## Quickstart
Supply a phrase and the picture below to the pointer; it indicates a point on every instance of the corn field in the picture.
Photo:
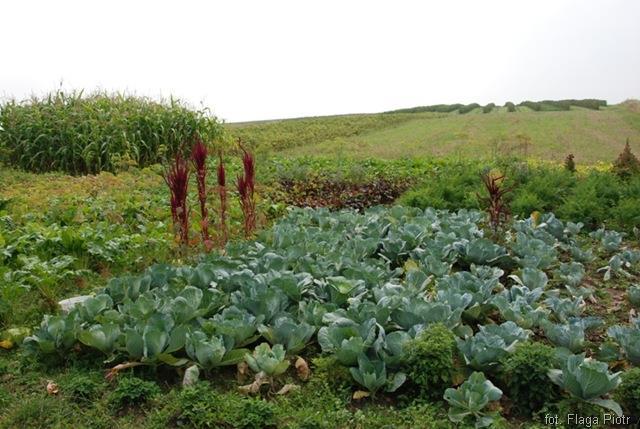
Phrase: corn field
(81, 134)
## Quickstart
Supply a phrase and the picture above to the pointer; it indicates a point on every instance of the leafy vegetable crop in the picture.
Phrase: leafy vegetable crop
(363, 286)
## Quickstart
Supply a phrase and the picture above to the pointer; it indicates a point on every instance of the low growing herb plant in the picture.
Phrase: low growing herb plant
(524, 375)
(132, 391)
(430, 360)
(628, 393)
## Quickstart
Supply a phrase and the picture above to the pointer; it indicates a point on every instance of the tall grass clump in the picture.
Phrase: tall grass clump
(82, 133)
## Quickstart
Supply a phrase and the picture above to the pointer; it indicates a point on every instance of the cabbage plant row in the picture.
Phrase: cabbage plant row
(362, 286)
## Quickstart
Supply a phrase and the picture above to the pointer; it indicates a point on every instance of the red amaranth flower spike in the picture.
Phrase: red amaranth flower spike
(199, 155)
(249, 170)
(221, 171)
(496, 205)
(222, 192)
(246, 188)
(177, 179)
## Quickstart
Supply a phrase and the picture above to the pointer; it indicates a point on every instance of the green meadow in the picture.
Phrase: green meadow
(591, 135)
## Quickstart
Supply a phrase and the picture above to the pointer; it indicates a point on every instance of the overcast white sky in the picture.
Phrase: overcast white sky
(270, 59)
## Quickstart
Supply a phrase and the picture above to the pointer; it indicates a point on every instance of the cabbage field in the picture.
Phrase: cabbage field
(364, 290)
(206, 277)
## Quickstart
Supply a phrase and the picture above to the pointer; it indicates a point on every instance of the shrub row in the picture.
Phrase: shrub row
(79, 134)
(436, 108)
(554, 105)
(545, 105)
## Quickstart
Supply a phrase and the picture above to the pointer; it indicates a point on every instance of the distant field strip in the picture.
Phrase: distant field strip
(288, 133)
(590, 135)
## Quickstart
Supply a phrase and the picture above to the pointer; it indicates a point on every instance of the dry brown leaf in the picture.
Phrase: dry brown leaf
(302, 367)
(287, 388)
(458, 377)
(52, 388)
(360, 394)
(242, 374)
(247, 389)
(253, 388)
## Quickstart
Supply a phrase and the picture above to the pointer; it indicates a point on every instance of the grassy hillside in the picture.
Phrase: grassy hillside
(590, 135)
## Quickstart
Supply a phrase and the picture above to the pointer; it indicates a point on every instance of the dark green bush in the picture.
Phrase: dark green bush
(80, 134)
(452, 188)
(553, 105)
(524, 375)
(430, 361)
(583, 205)
(541, 189)
(588, 103)
(510, 106)
(592, 199)
(132, 391)
(526, 202)
(488, 108)
(626, 213)
(628, 393)
(536, 107)
(468, 108)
